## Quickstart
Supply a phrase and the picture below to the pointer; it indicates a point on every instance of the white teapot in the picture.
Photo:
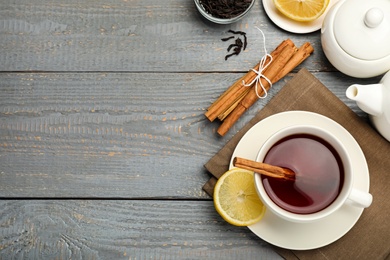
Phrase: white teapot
(374, 100)
(355, 37)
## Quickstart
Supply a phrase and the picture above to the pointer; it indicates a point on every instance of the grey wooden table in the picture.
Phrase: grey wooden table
(102, 129)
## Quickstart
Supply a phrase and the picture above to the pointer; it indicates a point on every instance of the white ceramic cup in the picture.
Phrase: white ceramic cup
(348, 194)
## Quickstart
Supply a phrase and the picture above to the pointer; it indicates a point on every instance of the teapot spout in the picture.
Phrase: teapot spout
(368, 97)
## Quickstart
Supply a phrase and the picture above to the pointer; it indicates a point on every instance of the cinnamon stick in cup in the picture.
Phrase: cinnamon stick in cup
(264, 168)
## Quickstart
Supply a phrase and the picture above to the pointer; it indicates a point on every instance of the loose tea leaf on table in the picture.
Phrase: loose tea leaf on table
(227, 38)
(225, 8)
(238, 45)
(240, 33)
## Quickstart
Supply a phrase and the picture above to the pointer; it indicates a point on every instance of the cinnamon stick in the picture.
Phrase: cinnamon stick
(229, 97)
(273, 69)
(298, 57)
(303, 52)
(229, 100)
(264, 168)
(232, 106)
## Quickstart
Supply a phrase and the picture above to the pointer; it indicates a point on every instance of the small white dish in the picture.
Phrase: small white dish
(290, 25)
(298, 236)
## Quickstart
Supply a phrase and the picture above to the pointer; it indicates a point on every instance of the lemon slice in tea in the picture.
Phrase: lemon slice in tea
(236, 199)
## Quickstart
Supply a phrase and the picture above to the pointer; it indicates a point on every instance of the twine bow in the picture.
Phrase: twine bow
(263, 64)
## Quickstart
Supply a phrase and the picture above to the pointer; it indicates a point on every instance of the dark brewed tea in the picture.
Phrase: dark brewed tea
(319, 174)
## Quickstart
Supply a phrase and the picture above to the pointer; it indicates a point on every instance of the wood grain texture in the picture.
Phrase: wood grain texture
(102, 129)
(51, 35)
(107, 135)
(86, 134)
(95, 229)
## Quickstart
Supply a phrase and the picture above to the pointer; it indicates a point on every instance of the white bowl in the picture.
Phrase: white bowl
(211, 18)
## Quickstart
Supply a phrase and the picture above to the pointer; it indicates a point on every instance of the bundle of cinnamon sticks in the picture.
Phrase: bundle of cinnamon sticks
(240, 97)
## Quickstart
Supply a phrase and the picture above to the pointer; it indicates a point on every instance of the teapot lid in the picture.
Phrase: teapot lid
(362, 28)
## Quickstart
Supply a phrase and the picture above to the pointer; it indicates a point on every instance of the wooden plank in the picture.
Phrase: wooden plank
(106, 135)
(95, 229)
(109, 135)
(131, 35)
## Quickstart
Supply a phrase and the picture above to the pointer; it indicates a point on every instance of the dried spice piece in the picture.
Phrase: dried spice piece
(238, 45)
(227, 38)
(236, 52)
(225, 8)
(240, 33)
(264, 169)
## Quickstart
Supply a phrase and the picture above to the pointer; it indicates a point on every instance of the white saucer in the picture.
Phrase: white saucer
(290, 25)
(300, 236)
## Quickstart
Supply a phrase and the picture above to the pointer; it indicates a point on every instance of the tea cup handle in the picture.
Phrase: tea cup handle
(359, 198)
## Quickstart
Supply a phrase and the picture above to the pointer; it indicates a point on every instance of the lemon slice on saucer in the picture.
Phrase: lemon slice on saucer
(236, 200)
(302, 10)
